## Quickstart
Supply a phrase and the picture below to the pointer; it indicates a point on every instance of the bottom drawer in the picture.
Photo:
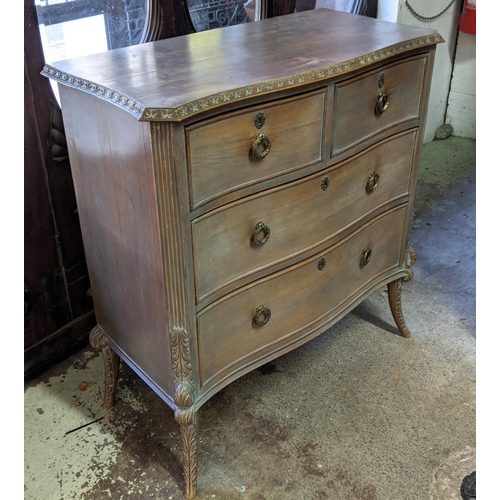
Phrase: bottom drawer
(233, 330)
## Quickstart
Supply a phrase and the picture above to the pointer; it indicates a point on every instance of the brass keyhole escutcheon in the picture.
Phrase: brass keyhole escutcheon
(261, 146)
(381, 80)
(261, 229)
(373, 182)
(325, 182)
(321, 263)
(260, 119)
(382, 103)
(262, 315)
(366, 255)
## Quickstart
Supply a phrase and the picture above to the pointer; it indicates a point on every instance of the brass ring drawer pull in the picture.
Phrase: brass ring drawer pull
(366, 255)
(373, 181)
(260, 227)
(263, 140)
(382, 103)
(262, 315)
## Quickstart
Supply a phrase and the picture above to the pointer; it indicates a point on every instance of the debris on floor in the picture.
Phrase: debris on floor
(443, 132)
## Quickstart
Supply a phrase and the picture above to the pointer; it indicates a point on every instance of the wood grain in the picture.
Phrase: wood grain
(112, 165)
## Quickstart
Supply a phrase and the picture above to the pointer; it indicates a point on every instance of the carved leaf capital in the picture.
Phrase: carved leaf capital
(411, 258)
(181, 356)
(97, 338)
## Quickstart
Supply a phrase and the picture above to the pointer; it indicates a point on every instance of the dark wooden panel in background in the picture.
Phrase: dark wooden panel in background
(55, 272)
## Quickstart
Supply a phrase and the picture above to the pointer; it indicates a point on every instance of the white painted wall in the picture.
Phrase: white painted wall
(447, 26)
(460, 115)
(388, 10)
(342, 5)
(461, 112)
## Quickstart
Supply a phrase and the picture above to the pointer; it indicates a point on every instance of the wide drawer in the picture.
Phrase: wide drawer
(295, 299)
(219, 151)
(298, 216)
(369, 103)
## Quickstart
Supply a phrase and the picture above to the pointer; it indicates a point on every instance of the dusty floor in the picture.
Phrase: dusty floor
(357, 414)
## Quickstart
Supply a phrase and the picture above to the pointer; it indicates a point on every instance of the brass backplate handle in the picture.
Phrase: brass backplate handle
(262, 315)
(373, 182)
(261, 228)
(382, 103)
(261, 141)
(325, 182)
(366, 255)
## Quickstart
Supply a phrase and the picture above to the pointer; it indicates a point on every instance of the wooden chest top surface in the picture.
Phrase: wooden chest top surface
(172, 79)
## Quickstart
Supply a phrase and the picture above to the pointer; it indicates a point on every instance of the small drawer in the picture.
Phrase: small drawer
(229, 243)
(372, 102)
(237, 329)
(236, 150)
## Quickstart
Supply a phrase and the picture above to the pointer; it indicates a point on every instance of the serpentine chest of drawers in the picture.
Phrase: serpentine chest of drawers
(240, 190)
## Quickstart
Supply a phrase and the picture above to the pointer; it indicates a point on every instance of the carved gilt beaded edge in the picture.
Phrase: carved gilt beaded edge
(215, 100)
(121, 100)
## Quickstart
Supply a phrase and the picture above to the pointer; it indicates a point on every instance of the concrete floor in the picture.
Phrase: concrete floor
(357, 414)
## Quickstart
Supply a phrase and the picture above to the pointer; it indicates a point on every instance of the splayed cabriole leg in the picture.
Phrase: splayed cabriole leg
(394, 290)
(111, 365)
(187, 418)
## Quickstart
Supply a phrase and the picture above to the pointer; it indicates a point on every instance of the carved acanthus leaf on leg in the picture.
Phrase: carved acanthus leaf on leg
(186, 417)
(185, 413)
(181, 355)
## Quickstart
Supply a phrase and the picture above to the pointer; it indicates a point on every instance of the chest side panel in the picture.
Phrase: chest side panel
(112, 167)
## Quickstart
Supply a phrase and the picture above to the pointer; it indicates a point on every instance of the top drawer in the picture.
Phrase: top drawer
(219, 151)
(374, 101)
